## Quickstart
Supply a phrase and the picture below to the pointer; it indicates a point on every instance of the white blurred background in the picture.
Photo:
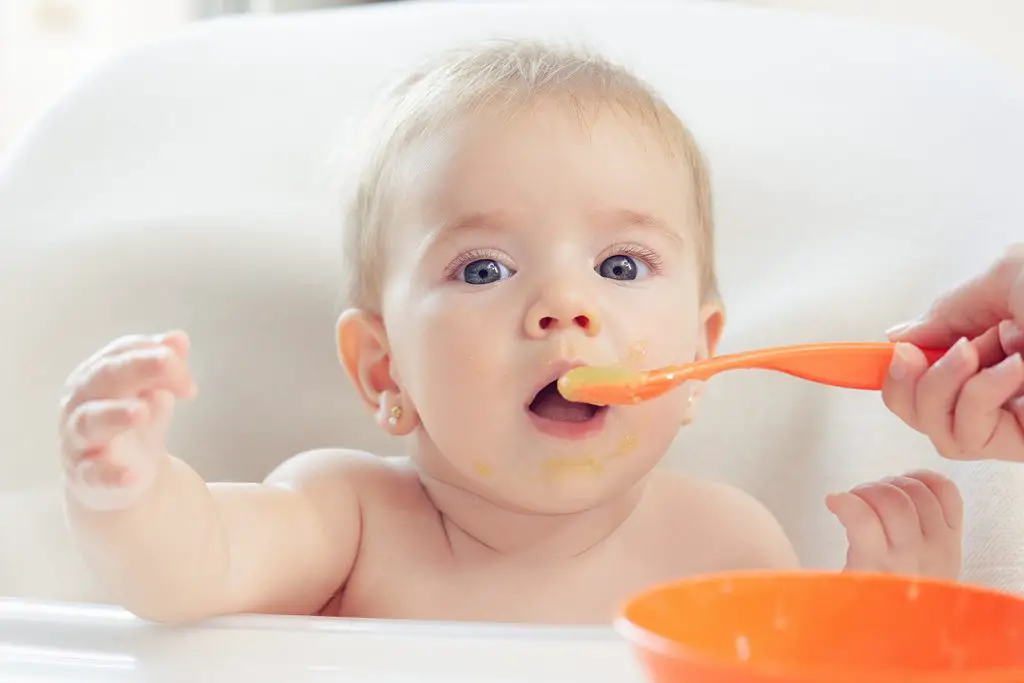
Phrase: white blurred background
(46, 44)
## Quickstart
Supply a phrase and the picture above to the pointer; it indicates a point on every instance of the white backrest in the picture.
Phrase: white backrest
(857, 171)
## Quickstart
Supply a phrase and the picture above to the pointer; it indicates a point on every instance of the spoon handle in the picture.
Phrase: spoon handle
(852, 365)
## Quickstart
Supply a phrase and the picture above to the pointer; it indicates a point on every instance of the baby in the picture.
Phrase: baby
(523, 210)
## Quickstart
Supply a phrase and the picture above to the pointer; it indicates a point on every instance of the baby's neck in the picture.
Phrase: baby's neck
(477, 527)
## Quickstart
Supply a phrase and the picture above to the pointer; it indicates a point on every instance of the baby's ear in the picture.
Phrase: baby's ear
(365, 354)
(712, 320)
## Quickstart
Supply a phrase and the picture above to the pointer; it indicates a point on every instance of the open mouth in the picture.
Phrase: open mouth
(548, 404)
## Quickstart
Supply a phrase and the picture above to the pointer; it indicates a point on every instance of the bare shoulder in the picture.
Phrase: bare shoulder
(339, 481)
(335, 471)
(314, 468)
(734, 526)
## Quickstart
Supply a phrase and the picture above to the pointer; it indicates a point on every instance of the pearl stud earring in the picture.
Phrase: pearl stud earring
(396, 415)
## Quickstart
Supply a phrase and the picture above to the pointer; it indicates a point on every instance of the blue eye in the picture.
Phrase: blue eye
(484, 271)
(621, 267)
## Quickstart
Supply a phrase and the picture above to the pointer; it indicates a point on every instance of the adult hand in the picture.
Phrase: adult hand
(971, 402)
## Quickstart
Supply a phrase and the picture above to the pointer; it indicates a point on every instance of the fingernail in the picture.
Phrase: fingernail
(900, 365)
(961, 347)
(1010, 365)
(1011, 336)
(957, 354)
(902, 327)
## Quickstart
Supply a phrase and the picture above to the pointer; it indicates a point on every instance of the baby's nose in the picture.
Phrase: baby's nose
(558, 314)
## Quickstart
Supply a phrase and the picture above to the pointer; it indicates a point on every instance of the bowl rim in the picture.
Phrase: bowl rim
(642, 638)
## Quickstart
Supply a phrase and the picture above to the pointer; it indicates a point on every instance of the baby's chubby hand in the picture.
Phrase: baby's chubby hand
(114, 415)
(910, 524)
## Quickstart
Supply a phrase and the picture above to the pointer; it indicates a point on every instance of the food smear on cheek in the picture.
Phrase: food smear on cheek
(483, 469)
(627, 445)
(636, 352)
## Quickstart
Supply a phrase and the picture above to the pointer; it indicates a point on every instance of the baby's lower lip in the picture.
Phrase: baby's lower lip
(572, 431)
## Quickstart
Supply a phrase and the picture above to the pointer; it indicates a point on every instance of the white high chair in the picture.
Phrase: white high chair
(858, 171)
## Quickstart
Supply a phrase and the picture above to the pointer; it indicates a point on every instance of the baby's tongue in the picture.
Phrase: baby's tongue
(550, 405)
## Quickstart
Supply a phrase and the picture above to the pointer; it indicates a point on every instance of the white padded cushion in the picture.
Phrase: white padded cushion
(858, 171)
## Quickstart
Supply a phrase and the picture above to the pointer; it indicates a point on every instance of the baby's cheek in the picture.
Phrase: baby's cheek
(464, 379)
(647, 434)
(476, 362)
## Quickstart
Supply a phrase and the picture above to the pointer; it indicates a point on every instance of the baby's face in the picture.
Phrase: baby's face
(533, 246)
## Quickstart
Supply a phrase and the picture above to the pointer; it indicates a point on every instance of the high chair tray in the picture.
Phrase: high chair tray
(73, 643)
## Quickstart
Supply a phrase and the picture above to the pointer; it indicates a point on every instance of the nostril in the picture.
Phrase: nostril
(546, 322)
(582, 320)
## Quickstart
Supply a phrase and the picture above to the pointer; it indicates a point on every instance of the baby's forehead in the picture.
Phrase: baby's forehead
(491, 163)
(563, 116)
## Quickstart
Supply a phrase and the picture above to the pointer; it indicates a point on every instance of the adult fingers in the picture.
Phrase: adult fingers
(973, 307)
(988, 420)
(900, 385)
(937, 394)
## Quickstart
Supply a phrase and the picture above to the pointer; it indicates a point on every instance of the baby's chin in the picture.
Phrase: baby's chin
(550, 480)
(558, 485)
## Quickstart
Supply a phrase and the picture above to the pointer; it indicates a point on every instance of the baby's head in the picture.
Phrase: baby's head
(524, 209)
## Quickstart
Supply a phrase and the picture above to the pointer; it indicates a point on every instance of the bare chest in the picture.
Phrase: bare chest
(411, 573)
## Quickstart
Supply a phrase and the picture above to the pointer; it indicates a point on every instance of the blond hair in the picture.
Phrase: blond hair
(506, 75)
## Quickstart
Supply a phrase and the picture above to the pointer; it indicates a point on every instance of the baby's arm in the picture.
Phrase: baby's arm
(167, 546)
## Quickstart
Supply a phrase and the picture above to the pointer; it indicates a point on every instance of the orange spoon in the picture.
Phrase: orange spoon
(853, 365)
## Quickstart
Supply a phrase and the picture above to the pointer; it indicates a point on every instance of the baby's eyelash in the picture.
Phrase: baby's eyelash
(651, 258)
(465, 259)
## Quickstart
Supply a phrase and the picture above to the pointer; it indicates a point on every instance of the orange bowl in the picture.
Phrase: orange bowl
(810, 627)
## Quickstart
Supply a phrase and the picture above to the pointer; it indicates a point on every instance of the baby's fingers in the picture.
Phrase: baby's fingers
(91, 426)
(176, 340)
(103, 485)
(896, 512)
(130, 374)
(930, 514)
(946, 493)
(868, 546)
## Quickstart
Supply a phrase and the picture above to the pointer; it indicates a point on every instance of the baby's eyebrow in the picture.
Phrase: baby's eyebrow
(627, 218)
(477, 220)
(607, 219)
